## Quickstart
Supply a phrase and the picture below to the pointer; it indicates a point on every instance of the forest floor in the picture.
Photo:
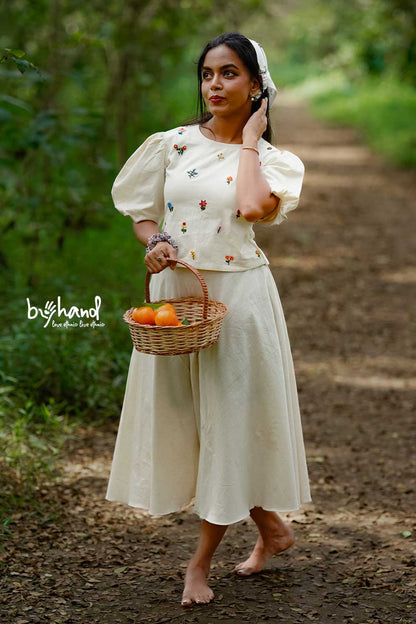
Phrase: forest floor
(345, 266)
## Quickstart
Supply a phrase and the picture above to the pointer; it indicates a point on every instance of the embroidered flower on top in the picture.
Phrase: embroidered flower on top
(192, 173)
(258, 253)
(192, 252)
(183, 228)
(170, 206)
(269, 148)
(203, 204)
(229, 179)
(229, 259)
(238, 213)
(181, 130)
(218, 229)
(220, 156)
(179, 149)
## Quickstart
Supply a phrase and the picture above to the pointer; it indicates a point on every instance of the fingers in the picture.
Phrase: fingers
(173, 256)
(157, 259)
(155, 262)
(262, 108)
(257, 123)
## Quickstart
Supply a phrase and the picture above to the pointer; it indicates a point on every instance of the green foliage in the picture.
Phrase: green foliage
(360, 37)
(16, 57)
(56, 379)
(383, 110)
(31, 438)
(357, 62)
(82, 85)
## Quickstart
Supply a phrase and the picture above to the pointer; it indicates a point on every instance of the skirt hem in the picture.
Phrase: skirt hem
(208, 518)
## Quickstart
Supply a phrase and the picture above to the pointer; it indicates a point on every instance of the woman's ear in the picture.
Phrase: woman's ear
(255, 91)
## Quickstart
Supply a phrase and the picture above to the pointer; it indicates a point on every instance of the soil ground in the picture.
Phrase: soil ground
(345, 267)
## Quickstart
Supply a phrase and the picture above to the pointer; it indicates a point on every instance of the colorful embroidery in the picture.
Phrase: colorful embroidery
(170, 206)
(192, 173)
(181, 130)
(269, 148)
(220, 156)
(238, 213)
(183, 228)
(179, 149)
(203, 204)
(229, 259)
(257, 253)
(218, 229)
(229, 179)
(192, 252)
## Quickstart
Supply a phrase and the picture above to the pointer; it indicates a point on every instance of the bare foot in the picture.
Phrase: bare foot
(271, 542)
(196, 589)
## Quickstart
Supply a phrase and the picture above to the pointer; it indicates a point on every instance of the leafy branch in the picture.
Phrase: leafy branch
(16, 56)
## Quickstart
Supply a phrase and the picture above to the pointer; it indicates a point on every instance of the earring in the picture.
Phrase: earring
(254, 98)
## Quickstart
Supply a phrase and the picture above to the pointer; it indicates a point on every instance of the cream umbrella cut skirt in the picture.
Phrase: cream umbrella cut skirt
(220, 428)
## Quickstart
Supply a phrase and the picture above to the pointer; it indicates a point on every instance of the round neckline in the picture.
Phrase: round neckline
(213, 140)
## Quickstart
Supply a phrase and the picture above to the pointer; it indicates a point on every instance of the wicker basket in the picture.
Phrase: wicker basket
(198, 335)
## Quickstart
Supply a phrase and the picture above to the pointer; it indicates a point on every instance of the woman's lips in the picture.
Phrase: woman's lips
(216, 98)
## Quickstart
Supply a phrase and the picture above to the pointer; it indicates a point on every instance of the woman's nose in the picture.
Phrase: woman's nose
(216, 83)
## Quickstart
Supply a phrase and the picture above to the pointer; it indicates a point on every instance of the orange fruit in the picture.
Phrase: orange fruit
(166, 318)
(166, 306)
(143, 315)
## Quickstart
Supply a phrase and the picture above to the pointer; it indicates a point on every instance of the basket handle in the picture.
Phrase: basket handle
(195, 272)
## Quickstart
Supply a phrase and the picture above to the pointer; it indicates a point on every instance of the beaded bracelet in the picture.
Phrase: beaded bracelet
(158, 238)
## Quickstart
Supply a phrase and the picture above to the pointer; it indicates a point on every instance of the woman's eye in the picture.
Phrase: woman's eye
(229, 72)
(205, 75)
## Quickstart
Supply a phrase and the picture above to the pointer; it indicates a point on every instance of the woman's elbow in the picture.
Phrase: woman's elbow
(251, 213)
(257, 213)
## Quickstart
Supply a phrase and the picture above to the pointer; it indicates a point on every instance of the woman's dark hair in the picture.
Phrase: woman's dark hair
(245, 50)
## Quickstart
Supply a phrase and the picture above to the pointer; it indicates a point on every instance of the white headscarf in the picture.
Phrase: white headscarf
(264, 71)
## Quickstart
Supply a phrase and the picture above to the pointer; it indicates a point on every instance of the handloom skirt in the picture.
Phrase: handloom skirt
(220, 428)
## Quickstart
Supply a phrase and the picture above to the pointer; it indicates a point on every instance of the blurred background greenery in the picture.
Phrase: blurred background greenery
(82, 85)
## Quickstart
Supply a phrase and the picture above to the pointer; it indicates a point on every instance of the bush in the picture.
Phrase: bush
(384, 110)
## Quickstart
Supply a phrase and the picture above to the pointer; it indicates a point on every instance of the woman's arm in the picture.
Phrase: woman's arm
(254, 198)
(155, 260)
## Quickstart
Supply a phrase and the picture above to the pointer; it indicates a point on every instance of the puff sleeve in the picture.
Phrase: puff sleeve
(284, 173)
(138, 190)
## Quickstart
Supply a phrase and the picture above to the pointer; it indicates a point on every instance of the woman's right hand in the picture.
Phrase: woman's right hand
(156, 259)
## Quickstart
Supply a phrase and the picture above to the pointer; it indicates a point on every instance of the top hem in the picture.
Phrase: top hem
(228, 269)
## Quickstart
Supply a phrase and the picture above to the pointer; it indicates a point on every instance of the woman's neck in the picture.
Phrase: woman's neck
(225, 129)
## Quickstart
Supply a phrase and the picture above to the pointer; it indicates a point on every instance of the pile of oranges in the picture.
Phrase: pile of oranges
(164, 316)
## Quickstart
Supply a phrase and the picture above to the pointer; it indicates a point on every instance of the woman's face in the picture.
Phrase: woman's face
(227, 86)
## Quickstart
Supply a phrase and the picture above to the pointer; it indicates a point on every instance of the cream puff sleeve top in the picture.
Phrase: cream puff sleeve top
(186, 182)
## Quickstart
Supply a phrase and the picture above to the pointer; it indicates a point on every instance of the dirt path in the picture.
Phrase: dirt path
(346, 270)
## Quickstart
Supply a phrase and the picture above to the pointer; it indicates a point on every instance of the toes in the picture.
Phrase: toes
(247, 571)
(239, 566)
(240, 569)
(186, 602)
(205, 599)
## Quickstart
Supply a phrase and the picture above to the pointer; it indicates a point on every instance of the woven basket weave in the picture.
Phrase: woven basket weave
(204, 315)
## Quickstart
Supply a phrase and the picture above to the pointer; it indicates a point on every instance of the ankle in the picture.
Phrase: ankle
(269, 522)
(264, 519)
(202, 563)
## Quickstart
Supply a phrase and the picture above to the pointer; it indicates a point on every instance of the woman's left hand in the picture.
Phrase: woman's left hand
(256, 124)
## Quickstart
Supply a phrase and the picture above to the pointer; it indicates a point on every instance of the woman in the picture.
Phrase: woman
(220, 427)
